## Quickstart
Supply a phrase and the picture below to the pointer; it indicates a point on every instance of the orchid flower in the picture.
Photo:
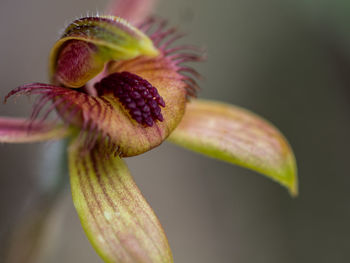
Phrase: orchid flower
(120, 89)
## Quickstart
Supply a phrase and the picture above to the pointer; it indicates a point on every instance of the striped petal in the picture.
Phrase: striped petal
(237, 136)
(115, 216)
(14, 130)
(88, 43)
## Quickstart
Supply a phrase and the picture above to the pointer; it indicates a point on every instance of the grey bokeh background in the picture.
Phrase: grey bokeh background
(288, 61)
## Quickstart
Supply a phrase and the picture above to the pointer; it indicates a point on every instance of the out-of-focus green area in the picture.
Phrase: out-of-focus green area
(288, 61)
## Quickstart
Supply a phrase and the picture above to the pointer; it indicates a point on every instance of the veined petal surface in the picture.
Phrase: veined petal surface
(118, 221)
(16, 130)
(235, 135)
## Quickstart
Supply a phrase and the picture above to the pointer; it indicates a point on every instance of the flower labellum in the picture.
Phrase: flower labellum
(139, 95)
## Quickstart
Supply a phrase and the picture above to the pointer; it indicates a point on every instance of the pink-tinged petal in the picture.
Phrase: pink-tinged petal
(134, 11)
(238, 136)
(88, 43)
(118, 221)
(21, 130)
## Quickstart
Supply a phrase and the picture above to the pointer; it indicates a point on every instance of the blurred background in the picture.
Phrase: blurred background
(287, 60)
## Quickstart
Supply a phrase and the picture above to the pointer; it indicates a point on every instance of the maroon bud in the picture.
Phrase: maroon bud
(146, 108)
(140, 102)
(149, 121)
(132, 105)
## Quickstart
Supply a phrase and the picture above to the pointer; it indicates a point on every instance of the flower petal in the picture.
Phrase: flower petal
(88, 43)
(115, 216)
(134, 11)
(21, 130)
(235, 135)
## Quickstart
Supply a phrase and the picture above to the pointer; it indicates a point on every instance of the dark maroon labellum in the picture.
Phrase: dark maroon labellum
(136, 94)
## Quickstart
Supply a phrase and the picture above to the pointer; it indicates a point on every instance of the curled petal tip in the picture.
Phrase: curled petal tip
(232, 134)
(89, 43)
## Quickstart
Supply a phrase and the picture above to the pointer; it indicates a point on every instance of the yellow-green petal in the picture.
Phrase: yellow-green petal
(88, 43)
(235, 135)
(118, 221)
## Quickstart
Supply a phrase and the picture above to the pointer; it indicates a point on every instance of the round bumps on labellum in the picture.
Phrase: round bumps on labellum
(136, 94)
